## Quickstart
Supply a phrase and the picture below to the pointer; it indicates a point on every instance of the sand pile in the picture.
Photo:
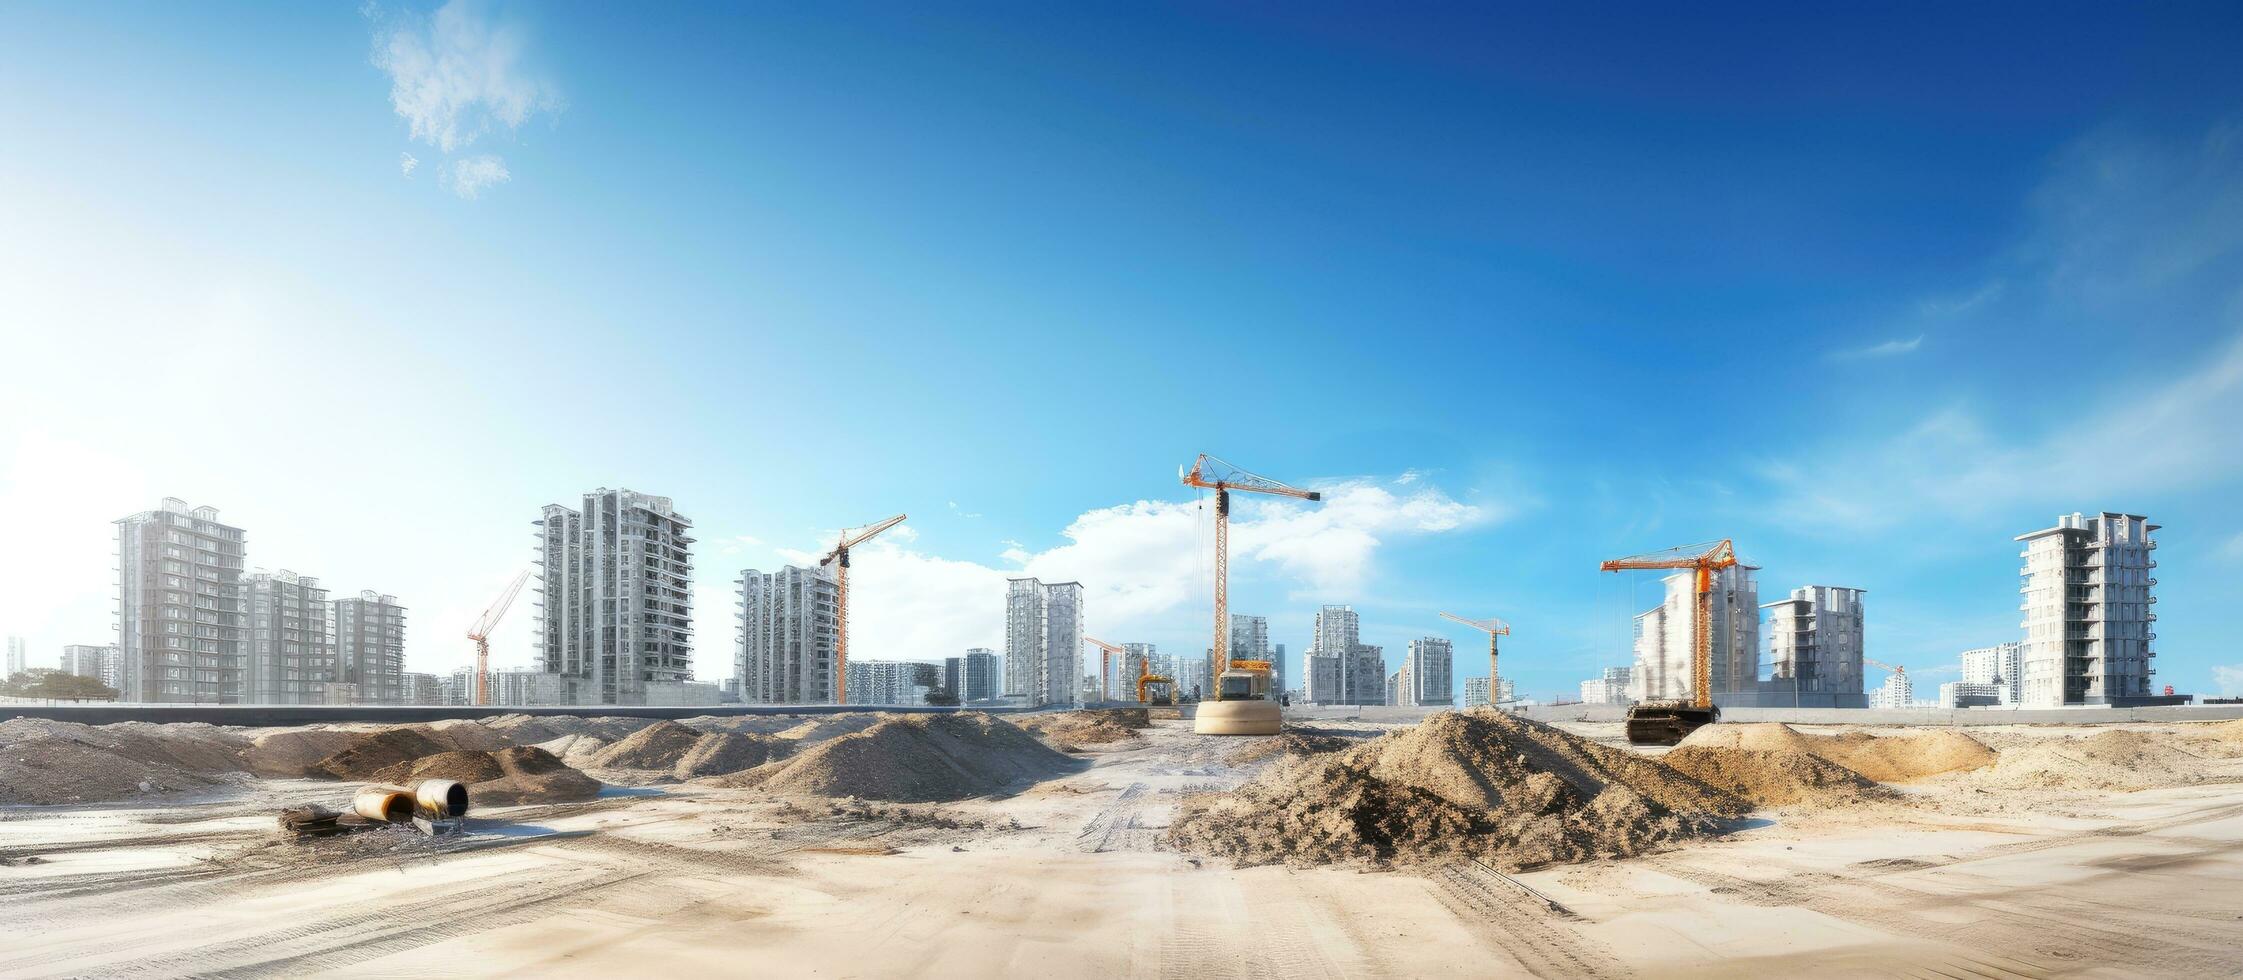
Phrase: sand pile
(371, 752)
(1782, 777)
(914, 759)
(576, 750)
(1070, 731)
(468, 735)
(522, 729)
(293, 753)
(1481, 784)
(507, 777)
(2118, 760)
(1289, 743)
(191, 746)
(724, 753)
(823, 727)
(656, 746)
(1902, 758)
(1883, 758)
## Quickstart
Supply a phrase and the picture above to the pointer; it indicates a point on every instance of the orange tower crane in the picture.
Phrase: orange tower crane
(1106, 654)
(481, 634)
(1210, 473)
(1493, 628)
(1703, 559)
(839, 558)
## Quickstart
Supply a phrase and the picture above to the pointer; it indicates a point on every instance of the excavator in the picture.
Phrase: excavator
(1667, 722)
(1242, 703)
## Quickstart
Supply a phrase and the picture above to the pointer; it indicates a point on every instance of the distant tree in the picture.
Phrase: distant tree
(54, 685)
(942, 695)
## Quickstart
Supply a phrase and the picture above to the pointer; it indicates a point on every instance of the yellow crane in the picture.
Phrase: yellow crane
(1145, 675)
(1494, 628)
(481, 634)
(1665, 723)
(839, 558)
(1241, 705)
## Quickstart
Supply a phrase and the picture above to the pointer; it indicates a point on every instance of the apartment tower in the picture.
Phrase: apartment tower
(179, 615)
(790, 626)
(617, 603)
(2087, 598)
(287, 632)
(1427, 672)
(370, 648)
(1815, 637)
(1043, 640)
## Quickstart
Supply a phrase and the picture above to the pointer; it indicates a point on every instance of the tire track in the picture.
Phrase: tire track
(1525, 928)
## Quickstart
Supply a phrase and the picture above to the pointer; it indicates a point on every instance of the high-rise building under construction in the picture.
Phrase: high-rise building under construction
(617, 603)
(2087, 611)
(1043, 641)
(789, 627)
(179, 615)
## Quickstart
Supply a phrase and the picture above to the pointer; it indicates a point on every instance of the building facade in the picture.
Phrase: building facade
(2088, 623)
(1963, 694)
(179, 615)
(889, 682)
(2000, 666)
(790, 627)
(1611, 687)
(1897, 692)
(96, 661)
(1043, 641)
(19, 658)
(1815, 638)
(1429, 668)
(423, 689)
(288, 633)
(370, 647)
(983, 678)
(617, 604)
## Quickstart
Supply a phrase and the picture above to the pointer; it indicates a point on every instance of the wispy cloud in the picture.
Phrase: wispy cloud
(1890, 348)
(460, 73)
(961, 512)
(2229, 679)
(408, 163)
(470, 176)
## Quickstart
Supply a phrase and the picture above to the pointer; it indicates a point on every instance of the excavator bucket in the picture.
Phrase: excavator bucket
(1654, 723)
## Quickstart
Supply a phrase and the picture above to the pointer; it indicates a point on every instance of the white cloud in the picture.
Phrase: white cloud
(461, 73)
(1890, 348)
(408, 163)
(2175, 431)
(470, 176)
(1144, 566)
(2228, 679)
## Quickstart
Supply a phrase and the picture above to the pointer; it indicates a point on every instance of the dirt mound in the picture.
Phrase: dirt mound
(1766, 736)
(507, 777)
(523, 729)
(724, 753)
(1292, 744)
(1481, 784)
(1902, 758)
(468, 735)
(1070, 731)
(825, 727)
(2119, 760)
(1773, 777)
(373, 751)
(48, 770)
(189, 746)
(656, 746)
(914, 759)
(576, 750)
(294, 753)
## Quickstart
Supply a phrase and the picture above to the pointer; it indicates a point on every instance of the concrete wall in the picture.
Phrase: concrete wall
(261, 715)
(1916, 716)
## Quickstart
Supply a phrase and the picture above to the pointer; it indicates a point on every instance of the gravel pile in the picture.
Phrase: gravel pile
(724, 753)
(1479, 784)
(294, 753)
(1290, 744)
(1786, 777)
(656, 746)
(1070, 731)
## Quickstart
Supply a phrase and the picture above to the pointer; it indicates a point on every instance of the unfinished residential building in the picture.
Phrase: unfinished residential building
(789, 627)
(1043, 641)
(179, 616)
(1339, 668)
(1815, 642)
(2087, 597)
(1613, 686)
(288, 629)
(370, 648)
(1428, 669)
(1321, 676)
(2000, 666)
(1362, 675)
(617, 602)
(890, 682)
(1897, 692)
(423, 689)
(19, 658)
(95, 661)
(1664, 641)
(983, 677)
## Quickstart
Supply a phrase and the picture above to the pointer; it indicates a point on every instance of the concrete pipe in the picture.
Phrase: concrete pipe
(384, 804)
(1236, 718)
(440, 799)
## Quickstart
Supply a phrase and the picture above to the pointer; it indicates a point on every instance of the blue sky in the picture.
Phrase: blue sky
(1869, 291)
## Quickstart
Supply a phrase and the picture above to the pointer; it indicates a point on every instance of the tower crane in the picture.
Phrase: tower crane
(839, 558)
(1665, 723)
(1493, 628)
(1241, 705)
(481, 634)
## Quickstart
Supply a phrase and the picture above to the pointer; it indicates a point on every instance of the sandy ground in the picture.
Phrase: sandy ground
(1068, 879)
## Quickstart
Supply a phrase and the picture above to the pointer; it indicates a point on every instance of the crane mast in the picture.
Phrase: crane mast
(481, 634)
(839, 558)
(1495, 629)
